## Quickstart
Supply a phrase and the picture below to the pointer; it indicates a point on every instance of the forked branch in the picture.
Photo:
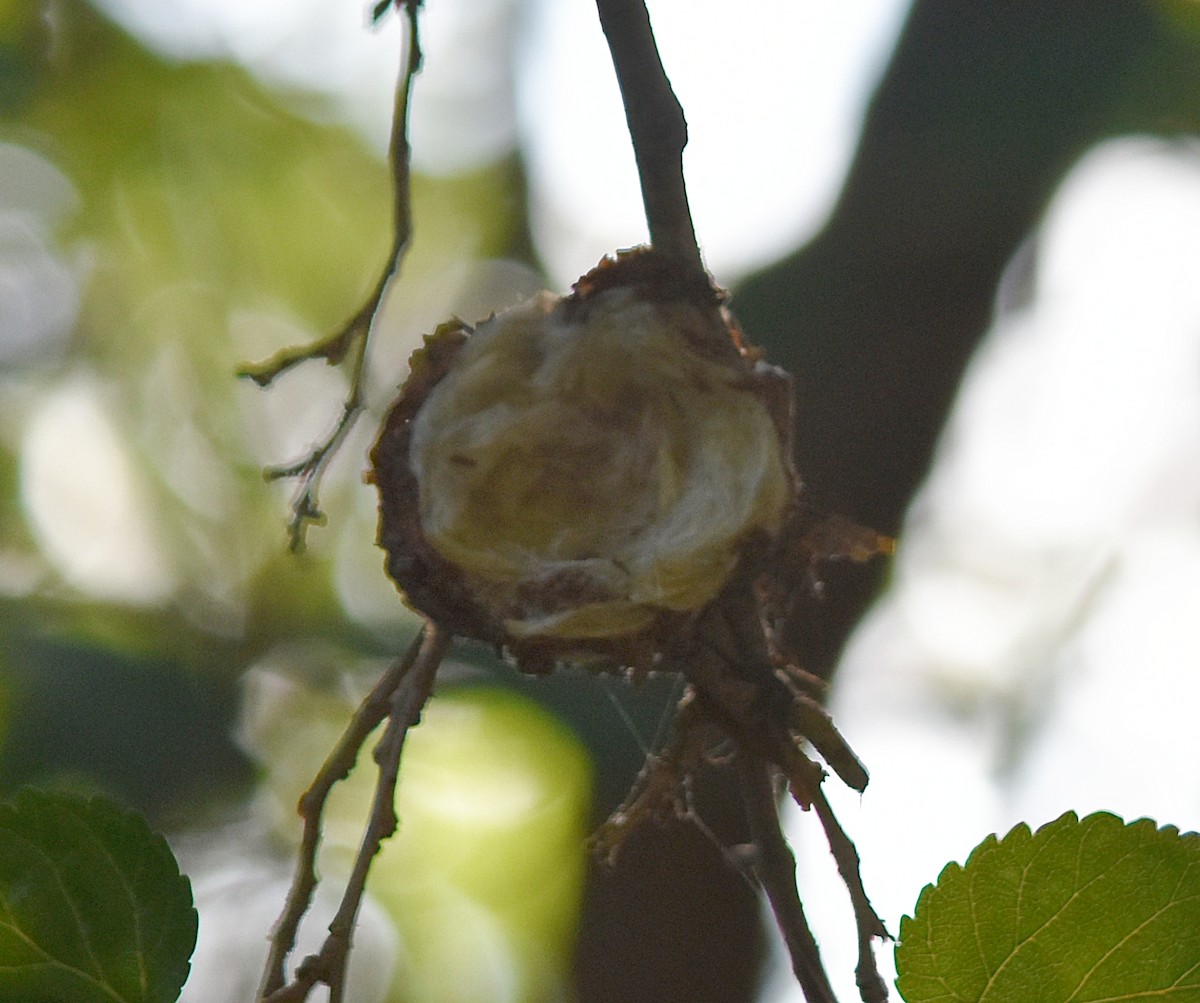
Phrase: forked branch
(399, 697)
(350, 341)
(871, 987)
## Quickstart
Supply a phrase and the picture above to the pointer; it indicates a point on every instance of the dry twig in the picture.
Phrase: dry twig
(350, 341)
(871, 986)
(658, 792)
(656, 126)
(728, 661)
(399, 696)
(775, 868)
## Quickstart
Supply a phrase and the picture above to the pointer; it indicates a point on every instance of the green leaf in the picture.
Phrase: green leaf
(93, 908)
(1080, 911)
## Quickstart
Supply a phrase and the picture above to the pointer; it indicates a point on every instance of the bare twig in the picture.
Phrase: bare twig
(871, 986)
(726, 661)
(407, 703)
(656, 127)
(336, 767)
(398, 696)
(812, 721)
(766, 716)
(658, 792)
(775, 868)
(350, 341)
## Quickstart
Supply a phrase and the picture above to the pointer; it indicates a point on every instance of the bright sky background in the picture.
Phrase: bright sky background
(772, 89)
(1037, 652)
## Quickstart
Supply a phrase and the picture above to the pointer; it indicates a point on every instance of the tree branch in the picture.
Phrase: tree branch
(350, 341)
(659, 790)
(775, 868)
(871, 987)
(657, 129)
(399, 696)
(407, 702)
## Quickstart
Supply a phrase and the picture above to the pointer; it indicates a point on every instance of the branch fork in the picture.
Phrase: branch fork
(742, 689)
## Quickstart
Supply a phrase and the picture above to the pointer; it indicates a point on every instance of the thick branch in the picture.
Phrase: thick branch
(656, 127)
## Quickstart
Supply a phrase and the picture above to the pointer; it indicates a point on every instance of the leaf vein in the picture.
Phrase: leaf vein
(1078, 891)
(53, 962)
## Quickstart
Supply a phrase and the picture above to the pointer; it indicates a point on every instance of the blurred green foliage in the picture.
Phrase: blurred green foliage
(199, 220)
(485, 875)
(203, 220)
(215, 221)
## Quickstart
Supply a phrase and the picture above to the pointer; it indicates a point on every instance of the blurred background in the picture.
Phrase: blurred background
(971, 232)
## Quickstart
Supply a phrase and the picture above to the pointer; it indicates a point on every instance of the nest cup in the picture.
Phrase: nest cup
(576, 476)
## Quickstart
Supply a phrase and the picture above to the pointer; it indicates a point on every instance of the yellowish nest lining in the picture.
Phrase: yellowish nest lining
(589, 470)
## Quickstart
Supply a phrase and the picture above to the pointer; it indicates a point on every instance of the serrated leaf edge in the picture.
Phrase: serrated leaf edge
(110, 811)
(954, 871)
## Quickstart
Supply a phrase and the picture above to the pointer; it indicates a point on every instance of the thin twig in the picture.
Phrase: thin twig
(871, 986)
(337, 766)
(812, 721)
(658, 792)
(350, 341)
(407, 702)
(775, 868)
(403, 709)
(726, 662)
(656, 127)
